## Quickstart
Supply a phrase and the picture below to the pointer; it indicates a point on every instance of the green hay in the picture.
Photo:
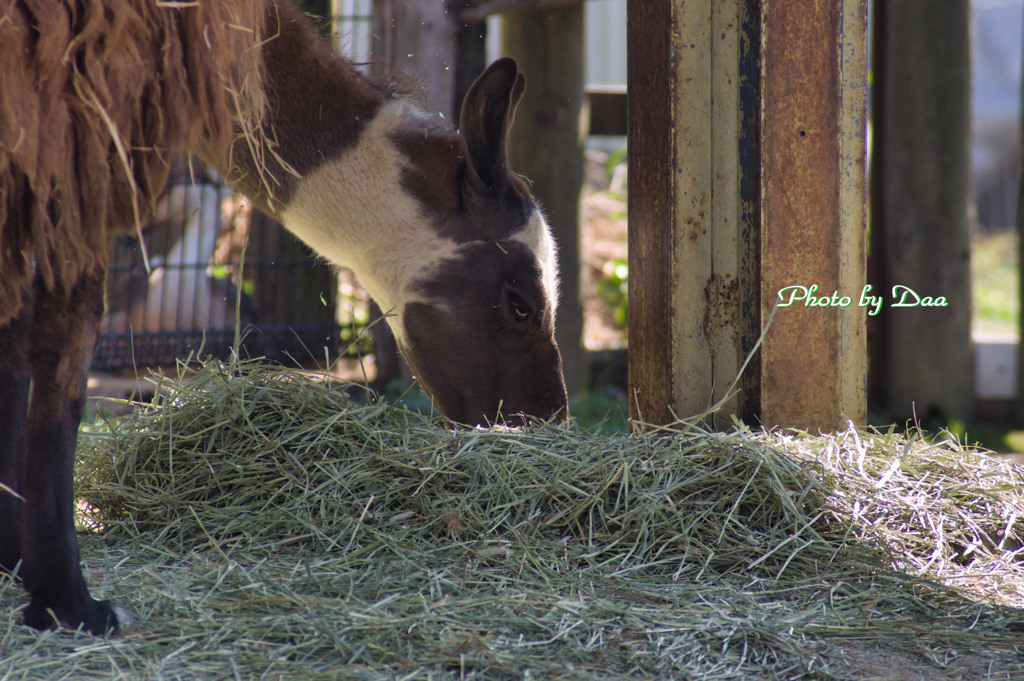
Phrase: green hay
(262, 525)
(256, 457)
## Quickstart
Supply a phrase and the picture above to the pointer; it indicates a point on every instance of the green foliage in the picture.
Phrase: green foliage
(406, 395)
(613, 290)
(615, 159)
(601, 410)
(994, 283)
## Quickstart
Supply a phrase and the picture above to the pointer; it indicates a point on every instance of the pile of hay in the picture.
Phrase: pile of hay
(260, 522)
(251, 457)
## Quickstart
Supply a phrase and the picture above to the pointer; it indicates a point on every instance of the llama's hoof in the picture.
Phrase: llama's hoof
(101, 618)
(126, 623)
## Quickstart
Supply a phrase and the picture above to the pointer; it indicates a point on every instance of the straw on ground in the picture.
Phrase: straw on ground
(263, 525)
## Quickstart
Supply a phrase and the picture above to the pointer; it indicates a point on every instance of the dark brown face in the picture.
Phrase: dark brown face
(480, 334)
(484, 347)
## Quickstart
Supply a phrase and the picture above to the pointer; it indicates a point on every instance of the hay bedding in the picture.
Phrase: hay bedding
(262, 525)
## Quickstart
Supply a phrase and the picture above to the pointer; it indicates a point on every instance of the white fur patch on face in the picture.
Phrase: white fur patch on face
(537, 237)
(354, 212)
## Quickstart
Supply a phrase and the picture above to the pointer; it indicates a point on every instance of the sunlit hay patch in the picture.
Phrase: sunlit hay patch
(932, 508)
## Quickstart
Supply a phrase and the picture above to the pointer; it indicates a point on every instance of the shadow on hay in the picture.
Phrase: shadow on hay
(781, 550)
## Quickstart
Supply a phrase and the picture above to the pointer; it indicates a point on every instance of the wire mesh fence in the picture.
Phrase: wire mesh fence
(220, 273)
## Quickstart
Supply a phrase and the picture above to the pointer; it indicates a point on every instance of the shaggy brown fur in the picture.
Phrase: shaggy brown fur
(95, 95)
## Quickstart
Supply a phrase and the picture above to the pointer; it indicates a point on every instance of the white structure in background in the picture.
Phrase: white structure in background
(604, 26)
(996, 52)
(179, 291)
(996, 48)
(352, 28)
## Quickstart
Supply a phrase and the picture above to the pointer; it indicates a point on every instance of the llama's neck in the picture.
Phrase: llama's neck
(355, 211)
(330, 170)
(316, 108)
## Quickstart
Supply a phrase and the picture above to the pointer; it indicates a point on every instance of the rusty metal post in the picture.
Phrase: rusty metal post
(651, 52)
(813, 361)
(746, 160)
(692, 206)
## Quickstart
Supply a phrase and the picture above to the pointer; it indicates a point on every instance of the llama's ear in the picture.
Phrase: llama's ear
(487, 114)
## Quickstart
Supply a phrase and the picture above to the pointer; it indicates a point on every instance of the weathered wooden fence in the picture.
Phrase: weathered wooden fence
(747, 162)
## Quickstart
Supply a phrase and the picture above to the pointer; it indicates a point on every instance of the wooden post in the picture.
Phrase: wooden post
(547, 146)
(416, 40)
(746, 177)
(470, 50)
(813, 212)
(922, 359)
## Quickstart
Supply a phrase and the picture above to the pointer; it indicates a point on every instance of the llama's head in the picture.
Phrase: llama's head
(444, 236)
(479, 331)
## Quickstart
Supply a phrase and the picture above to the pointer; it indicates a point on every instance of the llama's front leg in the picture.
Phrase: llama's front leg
(14, 384)
(62, 338)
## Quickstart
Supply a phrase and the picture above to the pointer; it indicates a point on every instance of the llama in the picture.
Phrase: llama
(95, 98)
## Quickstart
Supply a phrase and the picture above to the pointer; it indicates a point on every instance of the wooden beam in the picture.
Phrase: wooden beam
(813, 358)
(921, 357)
(607, 106)
(746, 160)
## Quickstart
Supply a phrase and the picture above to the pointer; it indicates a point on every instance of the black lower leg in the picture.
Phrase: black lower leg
(62, 338)
(14, 387)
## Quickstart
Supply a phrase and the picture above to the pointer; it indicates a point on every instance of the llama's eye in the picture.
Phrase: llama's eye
(520, 310)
